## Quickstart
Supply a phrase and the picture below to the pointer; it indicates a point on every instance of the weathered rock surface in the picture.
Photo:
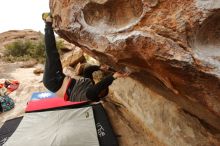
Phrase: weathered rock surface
(159, 117)
(171, 47)
(72, 58)
(66, 45)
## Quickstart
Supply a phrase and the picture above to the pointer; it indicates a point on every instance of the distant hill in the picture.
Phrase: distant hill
(11, 36)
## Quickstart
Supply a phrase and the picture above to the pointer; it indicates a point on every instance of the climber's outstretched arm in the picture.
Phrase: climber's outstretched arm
(100, 89)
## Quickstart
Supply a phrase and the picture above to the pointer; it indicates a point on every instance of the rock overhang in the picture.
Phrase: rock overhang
(165, 38)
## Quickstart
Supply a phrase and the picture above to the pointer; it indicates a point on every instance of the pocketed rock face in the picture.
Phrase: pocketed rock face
(174, 42)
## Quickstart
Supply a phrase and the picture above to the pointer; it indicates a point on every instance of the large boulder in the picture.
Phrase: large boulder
(170, 47)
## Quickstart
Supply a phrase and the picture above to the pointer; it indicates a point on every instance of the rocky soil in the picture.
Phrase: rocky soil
(29, 83)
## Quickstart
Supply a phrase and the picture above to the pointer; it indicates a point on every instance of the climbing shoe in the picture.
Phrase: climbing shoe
(47, 17)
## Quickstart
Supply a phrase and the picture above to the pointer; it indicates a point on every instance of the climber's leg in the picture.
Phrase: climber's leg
(53, 73)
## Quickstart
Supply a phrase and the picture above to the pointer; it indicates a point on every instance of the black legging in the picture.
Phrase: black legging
(54, 76)
(53, 72)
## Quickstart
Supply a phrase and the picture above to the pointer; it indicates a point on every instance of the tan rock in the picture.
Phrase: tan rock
(66, 45)
(129, 130)
(158, 116)
(174, 42)
(72, 58)
(38, 71)
(28, 64)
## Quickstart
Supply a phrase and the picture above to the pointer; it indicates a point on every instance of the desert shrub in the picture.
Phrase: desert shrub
(23, 50)
(60, 44)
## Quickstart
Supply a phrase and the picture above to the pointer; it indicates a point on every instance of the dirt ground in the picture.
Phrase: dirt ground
(29, 83)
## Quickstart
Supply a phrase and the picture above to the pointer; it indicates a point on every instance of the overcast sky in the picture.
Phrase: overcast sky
(22, 14)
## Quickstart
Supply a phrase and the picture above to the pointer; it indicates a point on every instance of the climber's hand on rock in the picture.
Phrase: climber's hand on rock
(120, 75)
(104, 67)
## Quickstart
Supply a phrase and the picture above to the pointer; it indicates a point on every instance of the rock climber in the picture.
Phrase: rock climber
(71, 89)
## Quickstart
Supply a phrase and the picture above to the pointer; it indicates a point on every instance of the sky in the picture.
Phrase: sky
(22, 14)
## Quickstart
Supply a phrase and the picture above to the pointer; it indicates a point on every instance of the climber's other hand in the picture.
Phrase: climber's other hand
(104, 67)
(120, 75)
